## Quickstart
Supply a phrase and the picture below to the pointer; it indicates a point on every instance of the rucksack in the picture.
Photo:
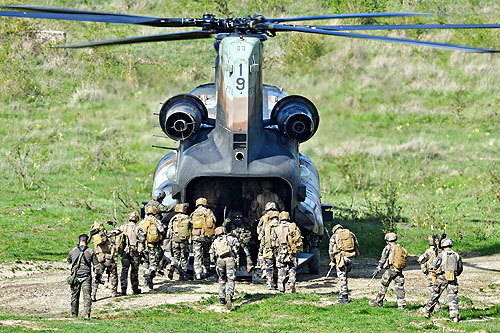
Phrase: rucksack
(449, 265)
(294, 240)
(202, 219)
(152, 234)
(121, 243)
(399, 255)
(346, 243)
(100, 237)
(268, 235)
(222, 248)
(181, 227)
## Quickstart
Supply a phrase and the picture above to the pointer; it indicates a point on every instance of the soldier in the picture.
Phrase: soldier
(81, 259)
(156, 201)
(107, 257)
(287, 250)
(425, 261)
(392, 261)
(179, 234)
(447, 265)
(131, 255)
(342, 249)
(153, 230)
(223, 253)
(268, 251)
(264, 219)
(267, 196)
(202, 234)
(238, 226)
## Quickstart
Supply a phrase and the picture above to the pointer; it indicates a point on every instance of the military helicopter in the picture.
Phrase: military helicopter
(238, 135)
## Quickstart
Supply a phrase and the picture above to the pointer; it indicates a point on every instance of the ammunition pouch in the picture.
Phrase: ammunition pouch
(450, 275)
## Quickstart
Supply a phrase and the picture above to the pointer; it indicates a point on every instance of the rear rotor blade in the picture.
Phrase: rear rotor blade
(402, 27)
(445, 46)
(185, 35)
(344, 16)
(90, 16)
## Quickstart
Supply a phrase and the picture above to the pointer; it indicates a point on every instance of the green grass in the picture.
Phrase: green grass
(408, 136)
(272, 313)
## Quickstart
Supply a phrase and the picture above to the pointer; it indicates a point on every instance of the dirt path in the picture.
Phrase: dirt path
(40, 288)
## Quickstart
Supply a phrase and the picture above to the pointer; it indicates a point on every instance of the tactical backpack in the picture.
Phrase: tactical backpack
(222, 248)
(202, 219)
(152, 234)
(121, 243)
(294, 240)
(100, 237)
(346, 243)
(449, 265)
(398, 257)
(181, 228)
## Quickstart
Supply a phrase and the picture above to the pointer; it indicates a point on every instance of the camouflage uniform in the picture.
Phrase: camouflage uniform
(343, 263)
(390, 274)
(286, 262)
(83, 279)
(201, 245)
(131, 257)
(152, 251)
(267, 196)
(225, 265)
(180, 248)
(269, 251)
(108, 258)
(161, 208)
(425, 261)
(262, 222)
(239, 228)
(442, 282)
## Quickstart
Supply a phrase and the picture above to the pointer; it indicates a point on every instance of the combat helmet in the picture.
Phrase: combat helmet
(133, 217)
(219, 231)
(201, 201)
(391, 237)
(267, 184)
(151, 210)
(270, 206)
(446, 242)
(284, 216)
(335, 227)
(274, 214)
(158, 195)
(180, 208)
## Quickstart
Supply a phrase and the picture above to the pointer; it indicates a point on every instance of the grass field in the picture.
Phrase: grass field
(408, 136)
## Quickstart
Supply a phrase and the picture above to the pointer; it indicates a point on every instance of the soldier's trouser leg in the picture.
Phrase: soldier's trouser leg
(183, 255)
(87, 302)
(438, 287)
(385, 281)
(95, 285)
(247, 255)
(206, 255)
(269, 271)
(135, 262)
(292, 273)
(231, 276)
(282, 273)
(198, 257)
(399, 286)
(126, 262)
(75, 297)
(113, 272)
(220, 268)
(342, 281)
(452, 291)
(429, 287)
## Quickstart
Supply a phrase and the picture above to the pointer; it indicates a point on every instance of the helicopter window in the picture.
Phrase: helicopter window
(240, 137)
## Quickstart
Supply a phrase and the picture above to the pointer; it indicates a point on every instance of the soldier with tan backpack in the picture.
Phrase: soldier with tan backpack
(153, 231)
(130, 248)
(179, 234)
(288, 243)
(343, 248)
(268, 248)
(203, 221)
(393, 259)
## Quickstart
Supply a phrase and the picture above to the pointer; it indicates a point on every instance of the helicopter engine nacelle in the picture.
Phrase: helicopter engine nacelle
(296, 117)
(182, 115)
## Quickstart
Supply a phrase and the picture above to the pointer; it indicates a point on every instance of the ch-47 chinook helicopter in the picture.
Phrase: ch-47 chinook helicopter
(237, 135)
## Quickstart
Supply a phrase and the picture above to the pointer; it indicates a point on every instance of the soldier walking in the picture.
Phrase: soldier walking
(288, 243)
(223, 253)
(202, 234)
(153, 230)
(343, 248)
(157, 202)
(264, 220)
(447, 265)
(393, 260)
(268, 252)
(131, 255)
(425, 261)
(179, 234)
(267, 196)
(107, 257)
(81, 259)
(238, 226)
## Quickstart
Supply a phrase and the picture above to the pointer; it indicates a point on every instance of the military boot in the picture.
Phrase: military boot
(344, 299)
(455, 319)
(222, 301)
(425, 312)
(137, 291)
(229, 302)
(292, 289)
(374, 304)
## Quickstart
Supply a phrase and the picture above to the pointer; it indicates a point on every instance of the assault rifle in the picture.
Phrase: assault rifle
(374, 275)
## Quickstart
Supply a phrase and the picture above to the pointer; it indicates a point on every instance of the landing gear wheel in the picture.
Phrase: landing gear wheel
(314, 263)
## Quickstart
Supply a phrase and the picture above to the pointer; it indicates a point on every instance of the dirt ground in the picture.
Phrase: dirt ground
(39, 288)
